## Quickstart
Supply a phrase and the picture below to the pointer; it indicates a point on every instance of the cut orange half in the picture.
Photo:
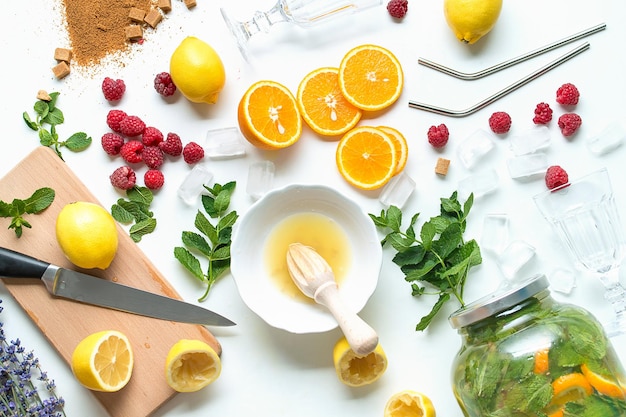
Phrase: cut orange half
(366, 157)
(323, 106)
(371, 77)
(400, 145)
(269, 116)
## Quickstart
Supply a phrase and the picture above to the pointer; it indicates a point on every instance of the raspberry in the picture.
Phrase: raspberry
(556, 177)
(500, 122)
(151, 136)
(164, 85)
(569, 123)
(192, 153)
(438, 136)
(398, 8)
(112, 143)
(113, 89)
(543, 114)
(152, 156)
(123, 178)
(114, 117)
(132, 126)
(567, 95)
(153, 179)
(172, 145)
(131, 151)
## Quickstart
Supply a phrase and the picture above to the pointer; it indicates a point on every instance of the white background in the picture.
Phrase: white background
(268, 372)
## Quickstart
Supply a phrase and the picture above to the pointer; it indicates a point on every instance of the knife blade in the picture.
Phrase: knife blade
(88, 289)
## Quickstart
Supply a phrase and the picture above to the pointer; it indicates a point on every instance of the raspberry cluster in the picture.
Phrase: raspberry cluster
(137, 143)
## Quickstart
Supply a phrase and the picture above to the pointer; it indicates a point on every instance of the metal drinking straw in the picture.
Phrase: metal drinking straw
(509, 63)
(478, 106)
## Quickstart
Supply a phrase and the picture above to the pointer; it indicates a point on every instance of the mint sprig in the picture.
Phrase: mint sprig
(47, 117)
(135, 211)
(213, 240)
(439, 257)
(40, 200)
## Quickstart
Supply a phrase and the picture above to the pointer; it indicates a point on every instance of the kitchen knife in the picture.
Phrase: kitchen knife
(88, 289)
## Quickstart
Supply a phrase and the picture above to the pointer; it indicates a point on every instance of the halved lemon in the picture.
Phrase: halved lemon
(409, 403)
(103, 361)
(191, 365)
(354, 370)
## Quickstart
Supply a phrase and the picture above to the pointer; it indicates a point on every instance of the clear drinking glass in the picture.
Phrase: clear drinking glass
(303, 13)
(585, 217)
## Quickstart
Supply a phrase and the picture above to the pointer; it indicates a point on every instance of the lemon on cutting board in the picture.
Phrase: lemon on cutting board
(470, 20)
(191, 365)
(103, 361)
(87, 235)
(197, 71)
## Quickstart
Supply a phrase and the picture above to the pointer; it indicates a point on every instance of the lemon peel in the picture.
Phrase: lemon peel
(470, 20)
(87, 235)
(354, 370)
(197, 71)
(409, 403)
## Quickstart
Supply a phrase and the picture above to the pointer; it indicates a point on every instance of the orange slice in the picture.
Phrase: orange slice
(370, 77)
(366, 157)
(323, 106)
(400, 145)
(268, 116)
(541, 361)
(603, 385)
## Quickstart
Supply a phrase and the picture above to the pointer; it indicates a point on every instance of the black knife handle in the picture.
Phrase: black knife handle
(17, 265)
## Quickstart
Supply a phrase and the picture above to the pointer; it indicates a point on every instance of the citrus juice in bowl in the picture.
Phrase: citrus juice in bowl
(316, 216)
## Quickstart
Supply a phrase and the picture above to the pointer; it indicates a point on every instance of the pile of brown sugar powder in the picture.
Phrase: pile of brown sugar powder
(97, 27)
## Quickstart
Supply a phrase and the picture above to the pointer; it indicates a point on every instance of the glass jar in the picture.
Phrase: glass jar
(526, 355)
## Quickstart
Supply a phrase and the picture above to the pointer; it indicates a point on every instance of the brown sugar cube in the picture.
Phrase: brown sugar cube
(43, 95)
(61, 70)
(165, 5)
(134, 32)
(136, 15)
(190, 3)
(62, 54)
(153, 18)
(442, 166)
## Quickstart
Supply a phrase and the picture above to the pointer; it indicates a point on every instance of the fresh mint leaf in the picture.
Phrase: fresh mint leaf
(214, 238)
(142, 228)
(48, 117)
(135, 210)
(439, 261)
(40, 200)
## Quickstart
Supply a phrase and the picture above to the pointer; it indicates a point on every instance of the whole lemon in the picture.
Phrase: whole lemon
(87, 235)
(471, 19)
(197, 71)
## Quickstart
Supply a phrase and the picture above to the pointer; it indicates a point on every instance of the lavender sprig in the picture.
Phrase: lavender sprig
(20, 374)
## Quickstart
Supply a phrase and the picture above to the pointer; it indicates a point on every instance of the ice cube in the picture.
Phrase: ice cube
(531, 140)
(610, 138)
(193, 184)
(474, 148)
(397, 191)
(515, 256)
(562, 280)
(528, 166)
(224, 143)
(260, 178)
(480, 184)
(495, 232)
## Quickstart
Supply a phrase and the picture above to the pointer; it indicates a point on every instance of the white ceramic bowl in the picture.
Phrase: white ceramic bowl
(250, 270)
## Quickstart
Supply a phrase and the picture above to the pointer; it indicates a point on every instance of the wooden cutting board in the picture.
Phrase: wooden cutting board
(65, 322)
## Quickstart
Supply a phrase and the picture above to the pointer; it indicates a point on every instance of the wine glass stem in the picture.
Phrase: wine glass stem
(263, 21)
(615, 292)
